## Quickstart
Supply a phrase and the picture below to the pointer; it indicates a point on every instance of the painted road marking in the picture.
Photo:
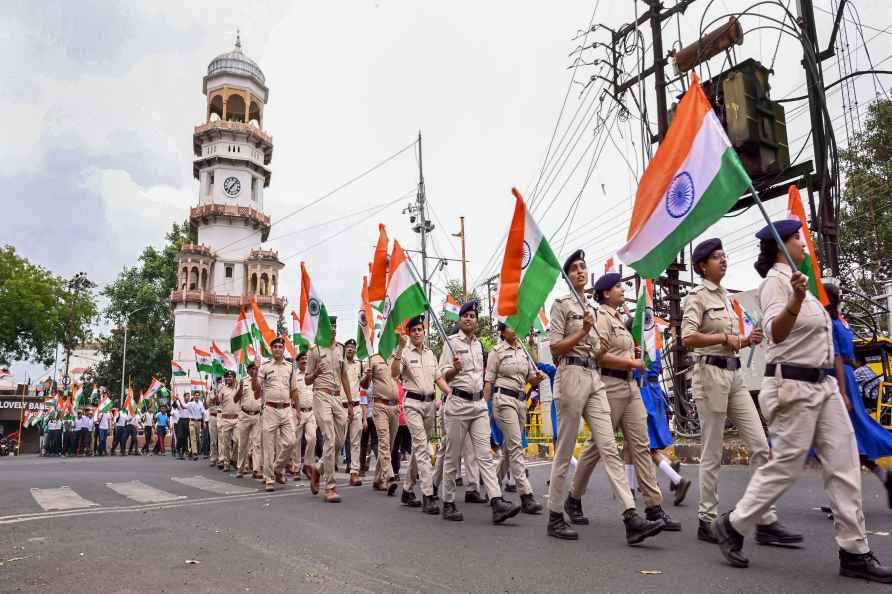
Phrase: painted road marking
(206, 484)
(60, 499)
(142, 493)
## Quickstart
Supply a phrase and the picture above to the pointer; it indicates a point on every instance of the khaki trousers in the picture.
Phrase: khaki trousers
(225, 433)
(627, 412)
(468, 457)
(802, 415)
(331, 417)
(387, 422)
(248, 432)
(306, 427)
(468, 420)
(721, 394)
(354, 435)
(420, 418)
(511, 416)
(579, 393)
(194, 437)
(277, 437)
(213, 436)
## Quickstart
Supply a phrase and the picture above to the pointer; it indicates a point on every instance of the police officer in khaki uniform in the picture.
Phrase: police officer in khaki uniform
(416, 366)
(804, 409)
(357, 422)
(467, 417)
(277, 384)
(627, 410)
(248, 427)
(326, 373)
(710, 327)
(227, 418)
(579, 394)
(213, 410)
(386, 412)
(508, 371)
(305, 422)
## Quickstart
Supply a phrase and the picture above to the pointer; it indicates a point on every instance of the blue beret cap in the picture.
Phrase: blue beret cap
(468, 306)
(416, 321)
(705, 248)
(785, 229)
(577, 255)
(607, 282)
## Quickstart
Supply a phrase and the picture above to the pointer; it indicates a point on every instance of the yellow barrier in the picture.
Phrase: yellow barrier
(883, 403)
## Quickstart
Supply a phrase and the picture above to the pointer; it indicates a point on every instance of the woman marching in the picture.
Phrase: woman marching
(720, 390)
(508, 370)
(873, 440)
(804, 409)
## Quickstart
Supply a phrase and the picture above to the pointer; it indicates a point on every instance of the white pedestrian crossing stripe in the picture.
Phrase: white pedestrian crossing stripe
(206, 484)
(142, 493)
(60, 499)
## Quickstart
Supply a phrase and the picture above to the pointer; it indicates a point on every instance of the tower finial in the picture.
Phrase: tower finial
(238, 39)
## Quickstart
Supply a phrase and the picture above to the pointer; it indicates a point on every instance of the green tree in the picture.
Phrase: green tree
(140, 299)
(865, 217)
(39, 310)
(485, 331)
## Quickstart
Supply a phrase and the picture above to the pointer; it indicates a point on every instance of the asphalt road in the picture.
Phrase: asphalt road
(137, 538)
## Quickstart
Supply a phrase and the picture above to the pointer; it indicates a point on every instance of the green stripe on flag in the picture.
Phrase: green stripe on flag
(410, 302)
(537, 283)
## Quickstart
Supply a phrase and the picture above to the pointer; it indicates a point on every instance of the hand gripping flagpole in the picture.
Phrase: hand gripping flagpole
(774, 233)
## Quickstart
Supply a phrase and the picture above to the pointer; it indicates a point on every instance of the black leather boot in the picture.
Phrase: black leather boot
(573, 507)
(451, 513)
(704, 532)
(559, 528)
(638, 527)
(475, 497)
(429, 505)
(528, 505)
(864, 566)
(776, 534)
(502, 510)
(730, 541)
(408, 498)
(656, 514)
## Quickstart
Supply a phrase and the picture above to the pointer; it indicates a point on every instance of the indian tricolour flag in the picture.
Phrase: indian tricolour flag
(315, 325)
(745, 322)
(240, 339)
(529, 270)
(262, 334)
(203, 361)
(403, 300)
(644, 326)
(692, 181)
(541, 321)
(451, 308)
(129, 404)
(809, 267)
(365, 331)
(154, 386)
(104, 406)
(222, 362)
(177, 370)
(301, 343)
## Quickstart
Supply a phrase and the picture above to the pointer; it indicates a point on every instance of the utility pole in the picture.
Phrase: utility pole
(464, 260)
(420, 223)
(75, 285)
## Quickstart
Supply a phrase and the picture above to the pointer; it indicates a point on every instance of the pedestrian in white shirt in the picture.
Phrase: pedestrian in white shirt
(196, 416)
(121, 432)
(103, 433)
(133, 427)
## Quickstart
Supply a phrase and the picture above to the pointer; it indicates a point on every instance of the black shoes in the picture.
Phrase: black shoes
(408, 498)
(391, 488)
(528, 505)
(511, 488)
(559, 528)
(656, 514)
(704, 532)
(681, 491)
(730, 541)
(429, 505)
(864, 566)
(451, 513)
(502, 510)
(573, 507)
(776, 534)
(638, 527)
(475, 497)
(888, 485)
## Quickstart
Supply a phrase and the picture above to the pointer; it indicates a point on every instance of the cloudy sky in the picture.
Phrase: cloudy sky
(101, 99)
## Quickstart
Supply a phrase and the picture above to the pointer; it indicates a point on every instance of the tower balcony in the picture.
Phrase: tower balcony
(206, 213)
(195, 249)
(218, 129)
(215, 301)
(269, 256)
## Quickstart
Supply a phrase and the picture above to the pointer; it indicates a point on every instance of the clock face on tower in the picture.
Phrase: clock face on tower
(232, 186)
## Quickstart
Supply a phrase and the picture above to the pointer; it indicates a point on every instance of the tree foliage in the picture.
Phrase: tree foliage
(39, 310)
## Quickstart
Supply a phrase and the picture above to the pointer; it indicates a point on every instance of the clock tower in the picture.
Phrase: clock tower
(227, 266)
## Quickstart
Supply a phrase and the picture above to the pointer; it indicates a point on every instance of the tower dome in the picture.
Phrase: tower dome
(236, 64)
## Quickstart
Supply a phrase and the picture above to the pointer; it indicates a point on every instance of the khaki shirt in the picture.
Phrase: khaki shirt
(247, 401)
(329, 362)
(810, 342)
(418, 370)
(566, 320)
(707, 310)
(305, 392)
(610, 324)
(470, 352)
(354, 372)
(383, 384)
(276, 381)
(227, 398)
(509, 367)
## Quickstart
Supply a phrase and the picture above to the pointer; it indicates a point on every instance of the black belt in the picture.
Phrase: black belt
(729, 363)
(472, 396)
(250, 412)
(617, 373)
(580, 361)
(793, 372)
(421, 397)
(513, 393)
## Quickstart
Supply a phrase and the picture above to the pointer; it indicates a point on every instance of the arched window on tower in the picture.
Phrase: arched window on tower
(275, 288)
(204, 279)
(193, 281)
(264, 284)
(254, 284)
(184, 278)
(235, 109)
(215, 108)
(254, 115)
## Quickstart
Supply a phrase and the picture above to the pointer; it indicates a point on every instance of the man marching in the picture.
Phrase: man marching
(276, 383)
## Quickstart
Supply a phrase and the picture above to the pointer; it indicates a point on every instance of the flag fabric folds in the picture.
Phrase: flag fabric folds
(451, 308)
(261, 333)
(365, 331)
(644, 326)
(176, 370)
(745, 322)
(315, 325)
(222, 362)
(809, 267)
(241, 336)
(378, 270)
(404, 299)
(297, 338)
(203, 361)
